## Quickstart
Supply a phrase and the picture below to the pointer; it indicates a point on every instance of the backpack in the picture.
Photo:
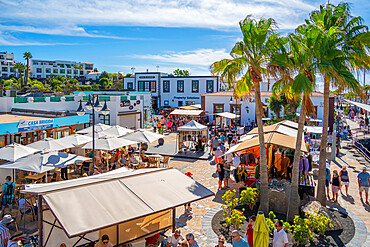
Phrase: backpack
(9, 189)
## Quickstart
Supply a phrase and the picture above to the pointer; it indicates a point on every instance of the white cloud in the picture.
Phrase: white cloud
(194, 70)
(9, 40)
(217, 14)
(200, 57)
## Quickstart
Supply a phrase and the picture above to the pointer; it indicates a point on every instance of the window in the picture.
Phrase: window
(130, 85)
(81, 72)
(4, 69)
(218, 108)
(166, 102)
(166, 86)
(38, 70)
(179, 103)
(75, 71)
(141, 86)
(48, 71)
(11, 69)
(195, 86)
(69, 71)
(38, 76)
(180, 87)
(55, 71)
(104, 119)
(234, 108)
(153, 86)
(190, 103)
(209, 86)
(62, 71)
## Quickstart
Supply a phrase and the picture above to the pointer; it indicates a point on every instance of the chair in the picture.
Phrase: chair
(24, 207)
(164, 162)
(152, 162)
(21, 177)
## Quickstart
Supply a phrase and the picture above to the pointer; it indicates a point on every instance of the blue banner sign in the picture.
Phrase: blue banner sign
(24, 125)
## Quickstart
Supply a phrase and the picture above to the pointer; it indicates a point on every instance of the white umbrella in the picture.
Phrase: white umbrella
(116, 131)
(97, 134)
(42, 162)
(98, 127)
(74, 140)
(142, 136)
(15, 151)
(48, 145)
(109, 143)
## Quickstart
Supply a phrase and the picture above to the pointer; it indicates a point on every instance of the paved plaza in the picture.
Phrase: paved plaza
(199, 221)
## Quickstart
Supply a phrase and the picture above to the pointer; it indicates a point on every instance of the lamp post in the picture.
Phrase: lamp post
(94, 105)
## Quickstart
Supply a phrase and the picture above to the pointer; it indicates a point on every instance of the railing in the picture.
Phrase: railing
(123, 97)
(69, 98)
(362, 150)
(21, 100)
(55, 99)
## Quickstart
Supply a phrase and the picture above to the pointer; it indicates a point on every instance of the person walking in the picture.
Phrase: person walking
(4, 231)
(280, 237)
(344, 179)
(335, 185)
(327, 179)
(191, 241)
(249, 232)
(237, 240)
(7, 195)
(221, 174)
(363, 183)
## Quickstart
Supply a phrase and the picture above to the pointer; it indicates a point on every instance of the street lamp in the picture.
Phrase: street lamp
(94, 105)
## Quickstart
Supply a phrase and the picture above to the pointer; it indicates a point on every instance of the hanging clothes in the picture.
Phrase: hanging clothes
(284, 166)
(278, 160)
(301, 166)
(306, 165)
(270, 157)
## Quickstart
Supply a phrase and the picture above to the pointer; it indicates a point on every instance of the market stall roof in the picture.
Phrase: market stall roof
(193, 126)
(189, 107)
(116, 131)
(98, 202)
(186, 112)
(289, 124)
(272, 138)
(227, 115)
(366, 107)
(279, 128)
(42, 162)
(313, 129)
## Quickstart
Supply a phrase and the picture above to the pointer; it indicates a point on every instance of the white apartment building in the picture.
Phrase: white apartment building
(45, 68)
(172, 91)
(6, 64)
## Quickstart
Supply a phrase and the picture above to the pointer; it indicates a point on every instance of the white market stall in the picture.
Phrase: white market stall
(193, 135)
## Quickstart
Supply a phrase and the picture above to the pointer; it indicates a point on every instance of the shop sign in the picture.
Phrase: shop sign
(188, 97)
(24, 125)
(125, 103)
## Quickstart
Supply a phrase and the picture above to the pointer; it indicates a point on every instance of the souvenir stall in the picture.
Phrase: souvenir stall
(192, 136)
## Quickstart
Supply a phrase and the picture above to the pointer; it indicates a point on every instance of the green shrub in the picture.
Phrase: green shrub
(249, 196)
(235, 219)
(301, 231)
(318, 223)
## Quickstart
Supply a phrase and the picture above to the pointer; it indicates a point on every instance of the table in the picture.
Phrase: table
(35, 177)
(156, 158)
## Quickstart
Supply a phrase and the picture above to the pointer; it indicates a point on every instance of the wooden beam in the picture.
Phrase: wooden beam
(173, 220)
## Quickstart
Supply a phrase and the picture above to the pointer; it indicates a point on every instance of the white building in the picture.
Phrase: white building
(6, 64)
(46, 68)
(126, 111)
(172, 91)
(225, 102)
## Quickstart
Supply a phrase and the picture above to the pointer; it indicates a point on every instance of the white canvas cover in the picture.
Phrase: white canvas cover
(227, 115)
(192, 126)
(366, 107)
(100, 202)
(15, 151)
(48, 145)
(142, 135)
(278, 128)
(74, 140)
(313, 129)
(116, 131)
(98, 127)
(105, 143)
(42, 162)
(186, 112)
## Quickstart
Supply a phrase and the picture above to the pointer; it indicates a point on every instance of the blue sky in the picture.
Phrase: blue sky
(118, 35)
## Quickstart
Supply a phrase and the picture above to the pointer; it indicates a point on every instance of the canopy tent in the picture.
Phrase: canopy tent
(142, 135)
(189, 107)
(272, 138)
(279, 128)
(116, 131)
(98, 127)
(366, 107)
(74, 140)
(42, 162)
(187, 112)
(192, 126)
(289, 124)
(15, 151)
(105, 202)
(109, 144)
(49, 145)
(227, 115)
(313, 129)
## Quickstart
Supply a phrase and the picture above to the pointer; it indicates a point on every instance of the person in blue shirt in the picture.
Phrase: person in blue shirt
(191, 241)
(237, 240)
(363, 183)
(7, 195)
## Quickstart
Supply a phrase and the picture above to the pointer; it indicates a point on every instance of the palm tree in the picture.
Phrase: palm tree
(27, 55)
(76, 68)
(295, 58)
(20, 68)
(346, 39)
(249, 61)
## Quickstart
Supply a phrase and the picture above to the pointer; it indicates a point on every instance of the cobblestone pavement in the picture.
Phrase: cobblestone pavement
(202, 172)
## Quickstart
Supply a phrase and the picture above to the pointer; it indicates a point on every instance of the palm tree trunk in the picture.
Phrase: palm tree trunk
(293, 205)
(264, 190)
(321, 196)
(26, 79)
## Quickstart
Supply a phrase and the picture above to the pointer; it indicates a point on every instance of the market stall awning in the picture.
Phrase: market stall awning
(227, 115)
(186, 112)
(189, 107)
(313, 129)
(192, 126)
(97, 202)
(272, 138)
(279, 128)
(366, 107)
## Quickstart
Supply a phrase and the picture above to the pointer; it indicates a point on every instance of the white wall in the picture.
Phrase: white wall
(6, 104)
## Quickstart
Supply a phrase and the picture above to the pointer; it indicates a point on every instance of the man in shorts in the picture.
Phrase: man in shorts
(363, 183)
(327, 179)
